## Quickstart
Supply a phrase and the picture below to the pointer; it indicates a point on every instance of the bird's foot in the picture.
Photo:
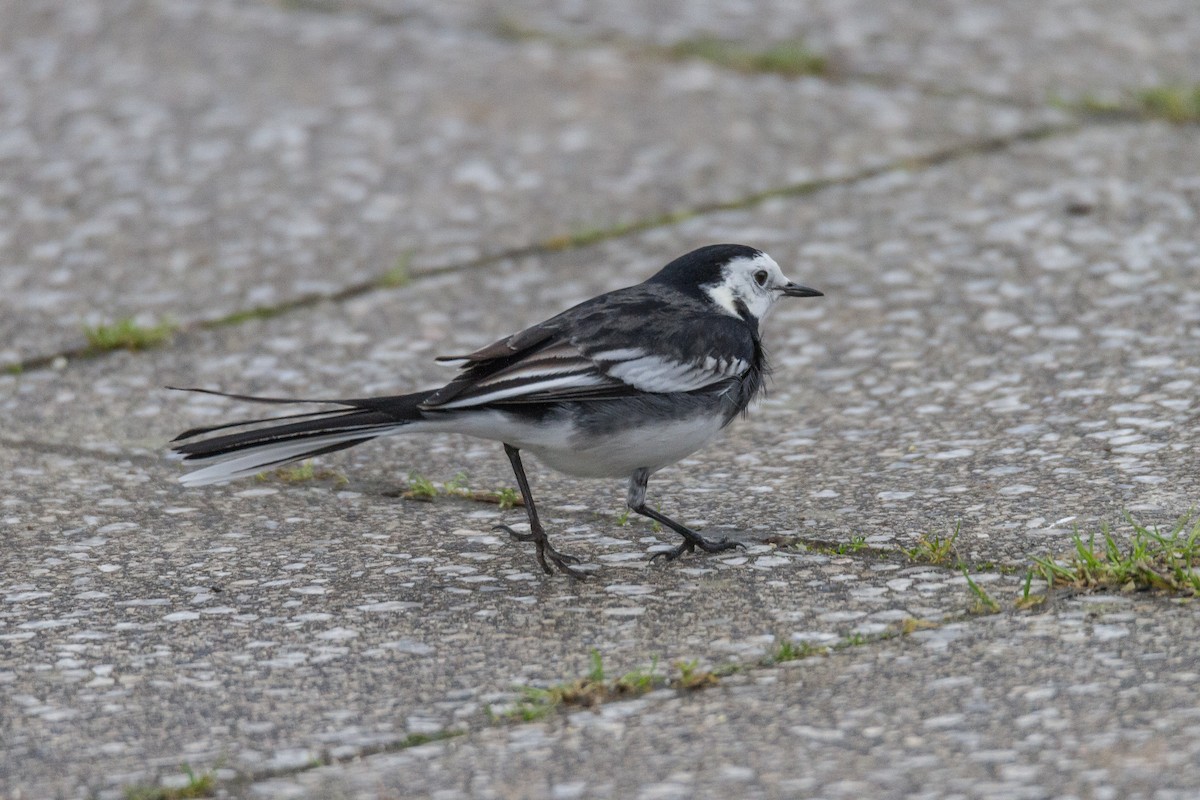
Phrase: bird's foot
(690, 545)
(547, 555)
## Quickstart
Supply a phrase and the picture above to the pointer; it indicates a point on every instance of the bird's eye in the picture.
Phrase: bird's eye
(760, 277)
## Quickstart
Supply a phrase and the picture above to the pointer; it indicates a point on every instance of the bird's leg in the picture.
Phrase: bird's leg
(691, 539)
(536, 534)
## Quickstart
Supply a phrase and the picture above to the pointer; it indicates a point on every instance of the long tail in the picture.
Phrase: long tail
(274, 441)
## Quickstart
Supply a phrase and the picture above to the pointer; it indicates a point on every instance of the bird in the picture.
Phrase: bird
(618, 386)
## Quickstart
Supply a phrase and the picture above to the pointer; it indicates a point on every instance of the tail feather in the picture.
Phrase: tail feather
(191, 433)
(274, 441)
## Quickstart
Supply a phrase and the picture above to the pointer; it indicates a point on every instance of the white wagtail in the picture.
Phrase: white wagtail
(621, 385)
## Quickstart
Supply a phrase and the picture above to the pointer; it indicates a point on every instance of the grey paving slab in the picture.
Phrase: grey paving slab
(1096, 699)
(186, 160)
(143, 625)
(966, 367)
(1017, 49)
(1008, 345)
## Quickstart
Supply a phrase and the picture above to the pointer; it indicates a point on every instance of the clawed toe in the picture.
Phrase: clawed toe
(690, 545)
(520, 537)
(564, 562)
(719, 546)
(674, 552)
(547, 555)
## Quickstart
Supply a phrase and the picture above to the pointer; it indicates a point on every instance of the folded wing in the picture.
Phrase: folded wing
(653, 349)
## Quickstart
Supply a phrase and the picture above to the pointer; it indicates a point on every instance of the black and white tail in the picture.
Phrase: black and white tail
(274, 441)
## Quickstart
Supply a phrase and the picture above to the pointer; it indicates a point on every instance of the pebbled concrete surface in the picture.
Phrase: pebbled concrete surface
(1021, 49)
(274, 625)
(983, 710)
(186, 160)
(1007, 347)
(967, 368)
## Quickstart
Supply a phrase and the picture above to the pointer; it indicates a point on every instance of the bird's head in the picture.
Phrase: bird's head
(738, 280)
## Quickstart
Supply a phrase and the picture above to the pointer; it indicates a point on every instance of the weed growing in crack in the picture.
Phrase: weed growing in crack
(126, 334)
(425, 490)
(791, 59)
(1153, 560)
(787, 650)
(984, 604)
(197, 785)
(595, 688)
(304, 471)
(420, 488)
(692, 677)
(935, 550)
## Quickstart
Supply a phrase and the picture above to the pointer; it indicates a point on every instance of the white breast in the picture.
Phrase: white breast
(619, 453)
(561, 445)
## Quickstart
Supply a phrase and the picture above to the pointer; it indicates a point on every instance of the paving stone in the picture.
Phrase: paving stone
(1092, 700)
(1007, 346)
(186, 160)
(1022, 49)
(265, 624)
(262, 628)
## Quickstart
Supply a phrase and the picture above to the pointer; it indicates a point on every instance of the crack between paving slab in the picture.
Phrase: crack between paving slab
(570, 241)
(498, 26)
(501, 27)
(328, 760)
(829, 72)
(835, 549)
(772, 660)
(824, 67)
(769, 661)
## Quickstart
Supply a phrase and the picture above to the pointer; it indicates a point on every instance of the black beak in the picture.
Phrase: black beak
(796, 290)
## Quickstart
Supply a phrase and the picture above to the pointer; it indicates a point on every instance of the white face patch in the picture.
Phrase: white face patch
(740, 282)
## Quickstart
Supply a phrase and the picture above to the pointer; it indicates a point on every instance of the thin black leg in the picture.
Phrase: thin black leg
(536, 534)
(691, 539)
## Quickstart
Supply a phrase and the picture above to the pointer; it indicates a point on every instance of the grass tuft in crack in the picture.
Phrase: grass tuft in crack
(1176, 104)
(984, 604)
(791, 58)
(425, 490)
(1028, 600)
(639, 681)
(932, 549)
(855, 545)
(420, 488)
(1152, 560)
(197, 785)
(692, 677)
(508, 497)
(788, 650)
(595, 688)
(127, 334)
(302, 472)
(399, 275)
(586, 692)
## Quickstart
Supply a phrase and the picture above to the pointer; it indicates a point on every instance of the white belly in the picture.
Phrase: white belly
(566, 448)
(620, 453)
